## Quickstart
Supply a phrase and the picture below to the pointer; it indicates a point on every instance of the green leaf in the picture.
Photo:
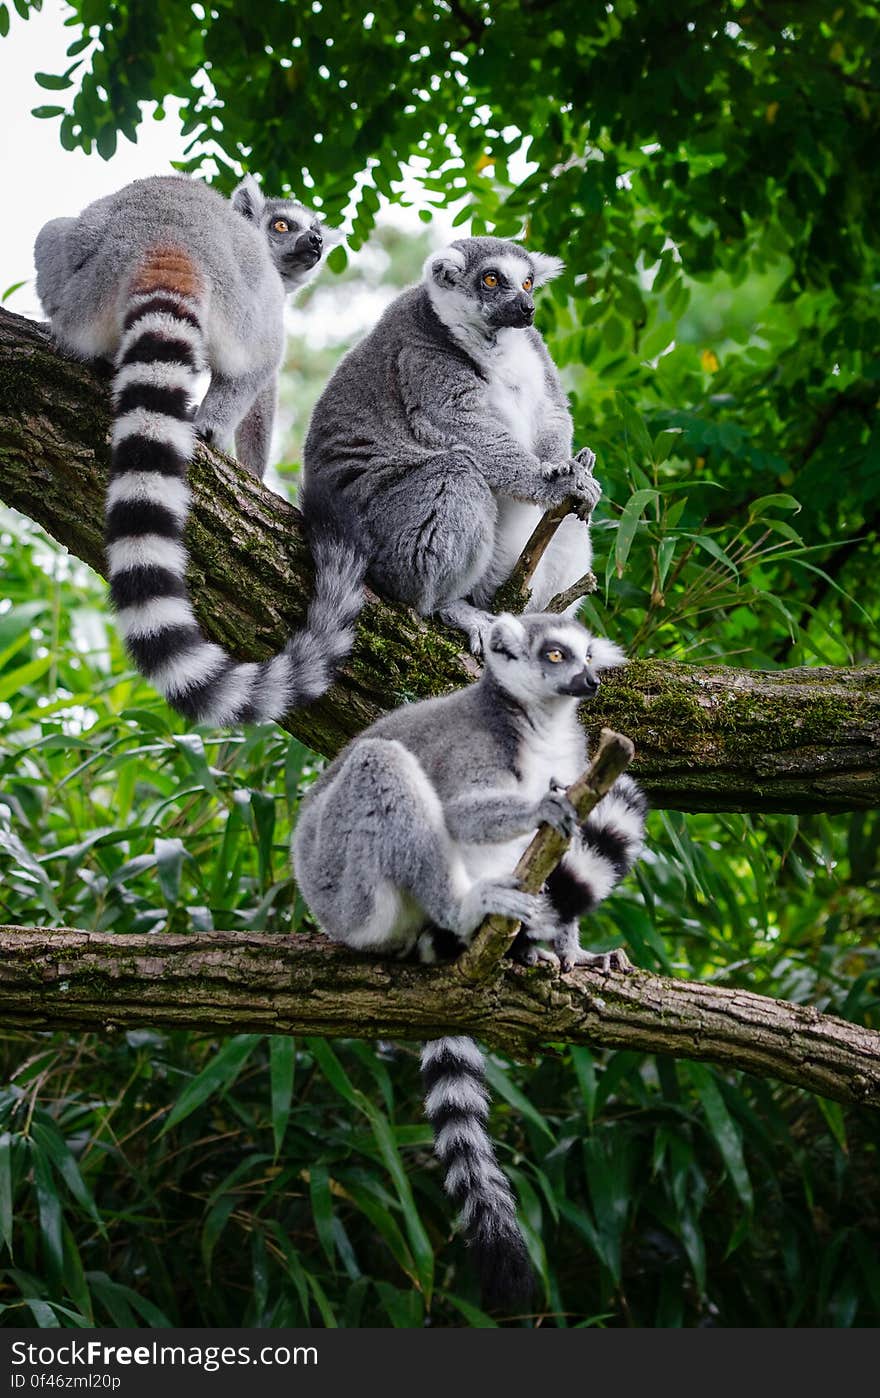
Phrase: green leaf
(282, 1065)
(53, 81)
(585, 1071)
(17, 680)
(337, 258)
(665, 555)
(423, 1253)
(10, 291)
(215, 1222)
(724, 1130)
(106, 142)
(503, 1086)
(773, 502)
(218, 1076)
(322, 1209)
(833, 1114)
(664, 443)
(193, 749)
(53, 1145)
(6, 1195)
(637, 436)
(706, 542)
(51, 1219)
(170, 855)
(263, 807)
(629, 523)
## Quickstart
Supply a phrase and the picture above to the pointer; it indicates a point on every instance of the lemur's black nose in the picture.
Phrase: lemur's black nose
(584, 684)
(526, 307)
(315, 239)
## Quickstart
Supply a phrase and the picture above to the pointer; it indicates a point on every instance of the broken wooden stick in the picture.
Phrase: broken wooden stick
(513, 595)
(495, 935)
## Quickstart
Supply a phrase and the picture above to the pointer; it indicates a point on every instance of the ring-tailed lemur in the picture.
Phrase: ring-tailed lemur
(445, 434)
(410, 836)
(167, 278)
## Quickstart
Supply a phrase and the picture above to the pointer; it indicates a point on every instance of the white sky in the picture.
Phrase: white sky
(41, 179)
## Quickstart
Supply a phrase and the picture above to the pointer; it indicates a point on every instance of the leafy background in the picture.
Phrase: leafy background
(709, 173)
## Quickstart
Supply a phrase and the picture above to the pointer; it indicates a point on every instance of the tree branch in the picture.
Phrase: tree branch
(223, 982)
(708, 737)
(537, 862)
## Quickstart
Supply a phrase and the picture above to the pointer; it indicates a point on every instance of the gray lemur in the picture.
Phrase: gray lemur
(445, 434)
(409, 838)
(169, 279)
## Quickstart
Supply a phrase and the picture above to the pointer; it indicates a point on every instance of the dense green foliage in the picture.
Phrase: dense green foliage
(708, 172)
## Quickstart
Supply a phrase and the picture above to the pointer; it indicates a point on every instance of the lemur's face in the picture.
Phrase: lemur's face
(295, 235)
(487, 282)
(502, 286)
(542, 659)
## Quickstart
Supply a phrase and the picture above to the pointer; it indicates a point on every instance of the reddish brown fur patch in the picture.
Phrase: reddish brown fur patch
(167, 268)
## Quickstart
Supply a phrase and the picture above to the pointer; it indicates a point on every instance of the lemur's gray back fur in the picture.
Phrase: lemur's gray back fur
(410, 836)
(442, 437)
(169, 279)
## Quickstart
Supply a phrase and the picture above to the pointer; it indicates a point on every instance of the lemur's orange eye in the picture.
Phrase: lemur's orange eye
(527, 284)
(490, 279)
(281, 225)
(554, 656)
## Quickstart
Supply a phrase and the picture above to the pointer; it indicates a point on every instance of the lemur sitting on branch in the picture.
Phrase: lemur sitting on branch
(444, 435)
(409, 838)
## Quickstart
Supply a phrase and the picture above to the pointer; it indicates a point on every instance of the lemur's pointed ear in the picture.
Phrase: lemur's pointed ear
(444, 267)
(605, 654)
(507, 637)
(545, 267)
(247, 199)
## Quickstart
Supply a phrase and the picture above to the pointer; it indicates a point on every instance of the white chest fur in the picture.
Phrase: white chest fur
(516, 390)
(556, 751)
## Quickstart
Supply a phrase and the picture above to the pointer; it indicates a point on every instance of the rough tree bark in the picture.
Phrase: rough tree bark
(707, 738)
(232, 982)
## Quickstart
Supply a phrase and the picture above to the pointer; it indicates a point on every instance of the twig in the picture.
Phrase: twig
(513, 595)
(493, 938)
(582, 588)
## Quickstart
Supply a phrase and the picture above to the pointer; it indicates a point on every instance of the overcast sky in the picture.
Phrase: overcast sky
(40, 179)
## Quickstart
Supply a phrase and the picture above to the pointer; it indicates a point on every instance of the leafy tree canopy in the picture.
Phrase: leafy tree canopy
(717, 152)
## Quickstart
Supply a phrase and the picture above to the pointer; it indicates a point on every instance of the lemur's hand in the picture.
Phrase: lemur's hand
(556, 809)
(560, 480)
(555, 470)
(586, 487)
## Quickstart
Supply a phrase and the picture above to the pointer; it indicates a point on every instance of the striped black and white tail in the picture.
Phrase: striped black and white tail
(160, 356)
(457, 1106)
(604, 850)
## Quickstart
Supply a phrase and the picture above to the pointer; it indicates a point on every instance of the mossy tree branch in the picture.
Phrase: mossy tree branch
(708, 737)
(223, 982)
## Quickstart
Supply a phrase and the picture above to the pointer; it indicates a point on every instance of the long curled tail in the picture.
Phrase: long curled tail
(161, 353)
(457, 1106)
